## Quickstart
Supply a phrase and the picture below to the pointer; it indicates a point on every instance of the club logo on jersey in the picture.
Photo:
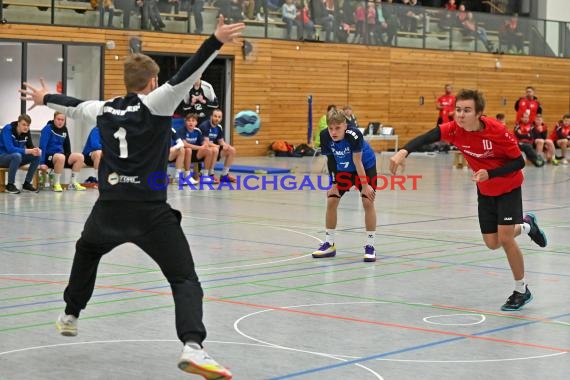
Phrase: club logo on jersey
(113, 179)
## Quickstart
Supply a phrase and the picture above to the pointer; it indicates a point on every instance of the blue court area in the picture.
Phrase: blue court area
(428, 308)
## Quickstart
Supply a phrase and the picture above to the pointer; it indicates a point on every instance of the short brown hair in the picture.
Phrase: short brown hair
(191, 116)
(336, 116)
(566, 116)
(25, 118)
(139, 69)
(476, 96)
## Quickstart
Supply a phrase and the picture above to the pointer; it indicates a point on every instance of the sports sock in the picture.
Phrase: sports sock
(56, 178)
(520, 285)
(329, 236)
(225, 171)
(370, 238)
(525, 227)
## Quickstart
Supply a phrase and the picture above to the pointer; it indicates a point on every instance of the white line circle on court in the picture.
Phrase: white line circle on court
(433, 319)
(340, 356)
(336, 357)
(377, 376)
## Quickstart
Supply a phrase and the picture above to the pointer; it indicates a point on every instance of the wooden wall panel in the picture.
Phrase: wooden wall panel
(381, 84)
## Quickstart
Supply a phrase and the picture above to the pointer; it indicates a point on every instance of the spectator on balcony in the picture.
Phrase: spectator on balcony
(231, 10)
(289, 16)
(470, 26)
(150, 15)
(448, 19)
(390, 13)
(108, 8)
(127, 6)
(321, 16)
(511, 36)
(409, 16)
(307, 25)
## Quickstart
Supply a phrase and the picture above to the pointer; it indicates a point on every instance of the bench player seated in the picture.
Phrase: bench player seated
(195, 149)
(56, 152)
(214, 137)
(92, 150)
(176, 154)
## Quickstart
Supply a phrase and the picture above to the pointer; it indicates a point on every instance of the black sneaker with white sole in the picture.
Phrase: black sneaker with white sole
(517, 300)
(12, 189)
(29, 187)
(536, 234)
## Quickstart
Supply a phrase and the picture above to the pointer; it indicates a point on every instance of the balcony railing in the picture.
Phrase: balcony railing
(350, 22)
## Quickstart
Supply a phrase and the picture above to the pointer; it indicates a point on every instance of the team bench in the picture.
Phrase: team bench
(4, 172)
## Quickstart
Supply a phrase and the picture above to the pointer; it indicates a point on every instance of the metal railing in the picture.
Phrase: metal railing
(378, 23)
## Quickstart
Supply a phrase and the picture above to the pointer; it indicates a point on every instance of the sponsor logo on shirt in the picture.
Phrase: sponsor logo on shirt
(115, 178)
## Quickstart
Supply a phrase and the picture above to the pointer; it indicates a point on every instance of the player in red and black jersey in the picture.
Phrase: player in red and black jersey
(493, 154)
(560, 136)
(136, 135)
(528, 104)
(446, 105)
(525, 137)
(542, 144)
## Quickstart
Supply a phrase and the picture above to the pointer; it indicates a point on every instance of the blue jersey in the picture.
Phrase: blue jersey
(13, 142)
(194, 137)
(353, 142)
(214, 133)
(54, 140)
(93, 142)
(174, 138)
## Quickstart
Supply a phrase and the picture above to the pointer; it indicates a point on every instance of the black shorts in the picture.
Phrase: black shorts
(505, 209)
(556, 144)
(195, 156)
(49, 161)
(346, 180)
(87, 160)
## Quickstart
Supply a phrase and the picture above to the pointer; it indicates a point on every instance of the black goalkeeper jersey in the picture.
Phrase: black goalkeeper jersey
(136, 131)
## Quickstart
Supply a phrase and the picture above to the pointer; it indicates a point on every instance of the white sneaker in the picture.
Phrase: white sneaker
(195, 360)
(66, 325)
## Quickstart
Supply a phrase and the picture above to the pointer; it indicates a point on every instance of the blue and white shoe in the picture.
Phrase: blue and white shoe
(325, 250)
(369, 254)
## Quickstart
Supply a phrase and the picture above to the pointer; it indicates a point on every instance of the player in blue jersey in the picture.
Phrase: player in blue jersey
(17, 149)
(351, 162)
(196, 150)
(56, 152)
(135, 132)
(214, 137)
(92, 150)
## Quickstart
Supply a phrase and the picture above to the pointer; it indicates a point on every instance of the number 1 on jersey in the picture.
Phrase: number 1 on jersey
(121, 135)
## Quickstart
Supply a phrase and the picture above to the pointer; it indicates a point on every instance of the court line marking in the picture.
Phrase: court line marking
(374, 373)
(239, 331)
(482, 319)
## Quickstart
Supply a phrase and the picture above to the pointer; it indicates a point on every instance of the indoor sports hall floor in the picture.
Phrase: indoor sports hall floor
(429, 308)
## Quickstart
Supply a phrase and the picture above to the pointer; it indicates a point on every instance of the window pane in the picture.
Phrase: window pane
(44, 61)
(10, 74)
(83, 82)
